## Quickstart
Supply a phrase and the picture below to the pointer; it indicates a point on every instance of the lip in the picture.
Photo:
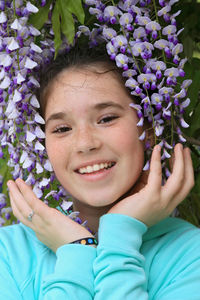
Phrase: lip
(91, 163)
(97, 175)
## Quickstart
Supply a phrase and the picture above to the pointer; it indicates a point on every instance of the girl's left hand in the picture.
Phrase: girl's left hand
(152, 202)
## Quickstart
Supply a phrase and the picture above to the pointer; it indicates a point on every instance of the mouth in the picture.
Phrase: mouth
(96, 168)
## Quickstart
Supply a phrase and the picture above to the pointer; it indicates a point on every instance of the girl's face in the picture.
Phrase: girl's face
(92, 137)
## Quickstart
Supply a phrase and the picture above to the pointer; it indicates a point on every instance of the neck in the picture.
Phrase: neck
(90, 213)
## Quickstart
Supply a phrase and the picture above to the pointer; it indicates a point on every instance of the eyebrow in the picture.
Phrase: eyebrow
(98, 107)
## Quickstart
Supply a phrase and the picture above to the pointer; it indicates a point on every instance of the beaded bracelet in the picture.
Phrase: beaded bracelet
(86, 241)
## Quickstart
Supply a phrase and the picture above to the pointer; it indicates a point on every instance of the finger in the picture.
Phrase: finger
(39, 207)
(22, 208)
(175, 181)
(17, 213)
(155, 174)
(18, 199)
(26, 191)
(188, 182)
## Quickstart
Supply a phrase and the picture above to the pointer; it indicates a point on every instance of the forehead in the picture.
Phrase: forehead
(85, 87)
(91, 77)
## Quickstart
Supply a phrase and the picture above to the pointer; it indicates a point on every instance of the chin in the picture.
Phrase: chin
(102, 199)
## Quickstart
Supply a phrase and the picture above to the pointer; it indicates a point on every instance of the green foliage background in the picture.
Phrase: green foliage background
(63, 24)
(189, 18)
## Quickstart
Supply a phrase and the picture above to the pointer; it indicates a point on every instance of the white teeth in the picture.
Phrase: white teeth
(94, 168)
(89, 169)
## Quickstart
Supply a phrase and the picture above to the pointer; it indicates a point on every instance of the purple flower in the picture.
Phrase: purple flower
(131, 83)
(172, 73)
(168, 30)
(109, 33)
(164, 11)
(122, 61)
(146, 79)
(159, 129)
(146, 102)
(111, 13)
(120, 42)
(157, 99)
(137, 48)
(126, 20)
(146, 166)
(186, 83)
(183, 123)
(139, 33)
(3, 17)
(161, 44)
(142, 20)
(153, 26)
(165, 154)
(129, 73)
(111, 50)
(142, 136)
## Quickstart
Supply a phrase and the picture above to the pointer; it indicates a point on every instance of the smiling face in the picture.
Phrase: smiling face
(92, 137)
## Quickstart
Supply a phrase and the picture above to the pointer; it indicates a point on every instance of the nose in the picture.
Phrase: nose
(87, 140)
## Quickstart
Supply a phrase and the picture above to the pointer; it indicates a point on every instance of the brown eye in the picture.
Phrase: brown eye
(62, 129)
(108, 119)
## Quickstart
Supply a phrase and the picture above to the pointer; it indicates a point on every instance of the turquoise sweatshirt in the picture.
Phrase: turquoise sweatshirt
(131, 262)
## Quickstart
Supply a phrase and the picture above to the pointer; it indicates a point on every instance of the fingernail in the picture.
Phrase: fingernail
(158, 148)
(181, 146)
(8, 184)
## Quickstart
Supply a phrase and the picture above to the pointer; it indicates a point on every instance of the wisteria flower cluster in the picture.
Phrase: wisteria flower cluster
(23, 50)
(141, 36)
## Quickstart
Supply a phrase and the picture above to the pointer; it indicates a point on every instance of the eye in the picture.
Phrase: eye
(62, 129)
(107, 119)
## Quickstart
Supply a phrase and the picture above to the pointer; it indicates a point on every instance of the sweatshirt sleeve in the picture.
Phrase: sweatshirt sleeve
(179, 269)
(119, 265)
(73, 274)
(8, 287)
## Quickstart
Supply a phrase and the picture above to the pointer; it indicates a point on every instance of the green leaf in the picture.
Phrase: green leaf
(40, 18)
(56, 27)
(194, 90)
(67, 21)
(76, 8)
(194, 121)
(188, 45)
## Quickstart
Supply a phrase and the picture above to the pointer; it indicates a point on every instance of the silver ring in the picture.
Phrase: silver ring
(30, 216)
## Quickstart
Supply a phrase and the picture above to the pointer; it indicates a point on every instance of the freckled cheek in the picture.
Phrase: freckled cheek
(127, 142)
(57, 153)
(126, 136)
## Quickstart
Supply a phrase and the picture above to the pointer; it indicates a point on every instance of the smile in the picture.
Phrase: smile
(95, 168)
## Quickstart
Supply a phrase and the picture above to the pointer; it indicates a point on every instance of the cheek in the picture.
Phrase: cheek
(55, 152)
(127, 136)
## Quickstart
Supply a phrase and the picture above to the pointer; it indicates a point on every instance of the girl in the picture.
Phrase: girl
(92, 143)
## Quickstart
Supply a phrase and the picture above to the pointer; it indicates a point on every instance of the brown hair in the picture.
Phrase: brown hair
(76, 58)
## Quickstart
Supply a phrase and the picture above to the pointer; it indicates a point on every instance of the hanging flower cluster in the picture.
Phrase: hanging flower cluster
(23, 50)
(141, 36)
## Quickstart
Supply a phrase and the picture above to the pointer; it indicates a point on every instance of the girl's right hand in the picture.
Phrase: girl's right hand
(52, 228)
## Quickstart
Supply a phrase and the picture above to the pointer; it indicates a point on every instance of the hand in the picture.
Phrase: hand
(152, 202)
(52, 228)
